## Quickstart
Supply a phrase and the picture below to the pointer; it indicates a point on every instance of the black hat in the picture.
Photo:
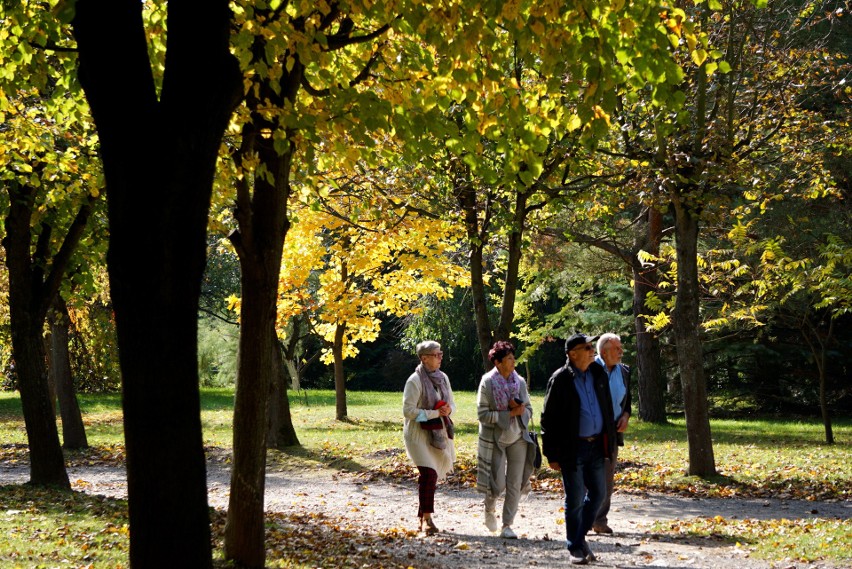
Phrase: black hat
(576, 340)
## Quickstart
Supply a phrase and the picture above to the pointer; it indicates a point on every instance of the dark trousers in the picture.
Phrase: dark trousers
(426, 490)
(585, 486)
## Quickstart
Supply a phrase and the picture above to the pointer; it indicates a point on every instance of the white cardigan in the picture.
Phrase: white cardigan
(417, 439)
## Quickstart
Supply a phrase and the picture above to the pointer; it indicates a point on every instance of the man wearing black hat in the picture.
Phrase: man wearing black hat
(578, 432)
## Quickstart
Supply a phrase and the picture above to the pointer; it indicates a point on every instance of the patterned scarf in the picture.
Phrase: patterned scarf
(429, 383)
(504, 388)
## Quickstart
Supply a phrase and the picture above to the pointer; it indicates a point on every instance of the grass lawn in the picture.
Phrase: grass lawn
(754, 458)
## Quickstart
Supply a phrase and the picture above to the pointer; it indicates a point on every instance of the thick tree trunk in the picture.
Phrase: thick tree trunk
(159, 160)
(689, 350)
(73, 430)
(339, 377)
(244, 530)
(27, 311)
(47, 464)
(263, 225)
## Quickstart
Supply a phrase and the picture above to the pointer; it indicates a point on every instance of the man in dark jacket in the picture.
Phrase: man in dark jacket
(578, 433)
(610, 352)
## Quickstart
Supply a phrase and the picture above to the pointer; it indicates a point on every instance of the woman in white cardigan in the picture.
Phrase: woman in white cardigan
(505, 452)
(427, 403)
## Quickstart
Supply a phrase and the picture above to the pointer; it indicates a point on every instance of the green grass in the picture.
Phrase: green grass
(754, 458)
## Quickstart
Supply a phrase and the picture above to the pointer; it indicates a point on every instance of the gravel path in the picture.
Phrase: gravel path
(373, 505)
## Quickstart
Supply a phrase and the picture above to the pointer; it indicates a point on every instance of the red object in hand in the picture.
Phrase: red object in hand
(440, 404)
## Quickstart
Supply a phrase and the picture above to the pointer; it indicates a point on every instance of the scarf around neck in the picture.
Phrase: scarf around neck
(504, 388)
(433, 387)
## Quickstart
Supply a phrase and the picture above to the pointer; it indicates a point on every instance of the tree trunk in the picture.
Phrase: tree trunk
(281, 433)
(47, 464)
(27, 311)
(480, 304)
(510, 286)
(259, 242)
(159, 159)
(339, 377)
(689, 350)
(652, 403)
(818, 350)
(244, 530)
(73, 430)
(466, 196)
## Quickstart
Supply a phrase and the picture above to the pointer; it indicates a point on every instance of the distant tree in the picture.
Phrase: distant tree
(59, 367)
(370, 256)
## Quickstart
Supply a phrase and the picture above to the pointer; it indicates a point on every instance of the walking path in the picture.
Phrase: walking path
(372, 505)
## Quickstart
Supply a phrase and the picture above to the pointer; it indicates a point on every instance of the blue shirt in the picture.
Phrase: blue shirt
(591, 418)
(616, 386)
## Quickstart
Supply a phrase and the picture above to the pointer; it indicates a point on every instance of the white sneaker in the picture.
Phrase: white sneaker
(507, 533)
(491, 521)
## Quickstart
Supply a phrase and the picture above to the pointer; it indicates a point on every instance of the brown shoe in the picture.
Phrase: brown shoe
(601, 528)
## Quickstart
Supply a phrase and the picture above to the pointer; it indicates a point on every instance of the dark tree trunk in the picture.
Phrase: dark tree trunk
(244, 530)
(689, 350)
(30, 293)
(263, 225)
(510, 286)
(480, 303)
(652, 403)
(466, 197)
(73, 430)
(339, 376)
(281, 433)
(817, 345)
(159, 160)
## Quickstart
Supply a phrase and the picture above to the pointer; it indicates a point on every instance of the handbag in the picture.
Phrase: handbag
(434, 424)
(534, 436)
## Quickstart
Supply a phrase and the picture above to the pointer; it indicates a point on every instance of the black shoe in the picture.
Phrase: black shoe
(577, 557)
(587, 551)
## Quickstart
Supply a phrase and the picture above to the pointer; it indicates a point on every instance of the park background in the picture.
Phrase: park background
(317, 188)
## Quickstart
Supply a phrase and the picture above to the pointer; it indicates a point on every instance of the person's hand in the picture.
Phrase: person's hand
(554, 466)
(621, 426)
(516, 409)
(444, 410)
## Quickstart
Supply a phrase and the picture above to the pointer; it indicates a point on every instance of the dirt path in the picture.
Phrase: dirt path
(375, 506)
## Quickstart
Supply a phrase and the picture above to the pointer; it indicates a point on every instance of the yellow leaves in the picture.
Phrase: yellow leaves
(698, 56)
(601, 114)
(574, 122)
(345, 276)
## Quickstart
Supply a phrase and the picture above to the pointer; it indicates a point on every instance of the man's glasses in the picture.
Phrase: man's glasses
(587, 347)
(436, 354)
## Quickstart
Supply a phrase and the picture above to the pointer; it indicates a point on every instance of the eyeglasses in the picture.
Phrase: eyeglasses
(587, 347)
(436, 354)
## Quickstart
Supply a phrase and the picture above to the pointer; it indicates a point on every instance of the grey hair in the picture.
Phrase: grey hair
(604, 339)
(428, 347)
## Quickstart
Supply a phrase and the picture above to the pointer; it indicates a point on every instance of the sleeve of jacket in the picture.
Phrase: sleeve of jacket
(626, 405)
(550, 413)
